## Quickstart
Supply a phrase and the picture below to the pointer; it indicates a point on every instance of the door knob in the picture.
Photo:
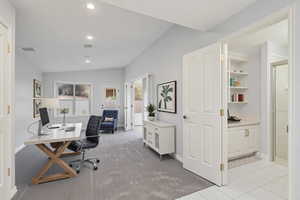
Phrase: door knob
(184, 116)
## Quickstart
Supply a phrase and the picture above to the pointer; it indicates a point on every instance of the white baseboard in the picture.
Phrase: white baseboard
(19, 148)
(178, 157)
(262, 156)
(13, 191)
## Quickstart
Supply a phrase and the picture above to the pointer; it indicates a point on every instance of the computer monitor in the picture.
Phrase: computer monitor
(44, 116)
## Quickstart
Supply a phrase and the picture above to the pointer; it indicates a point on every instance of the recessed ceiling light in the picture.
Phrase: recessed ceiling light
(89, 37)
(87, 61)
(90, 6)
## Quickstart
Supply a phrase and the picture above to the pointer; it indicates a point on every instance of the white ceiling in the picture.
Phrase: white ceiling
(57, 30)
(277, 33)
(197, 14)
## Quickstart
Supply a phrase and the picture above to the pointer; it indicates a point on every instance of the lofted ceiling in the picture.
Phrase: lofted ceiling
(196, 14)
(276, 33)
(57, 30)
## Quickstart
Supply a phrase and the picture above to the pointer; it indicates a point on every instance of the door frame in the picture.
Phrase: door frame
(290, 13)
(150, 90)
(272, 133)
(10, 162)
(126, 84)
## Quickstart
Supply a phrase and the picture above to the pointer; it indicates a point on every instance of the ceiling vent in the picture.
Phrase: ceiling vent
(88, 46)
(28, 49)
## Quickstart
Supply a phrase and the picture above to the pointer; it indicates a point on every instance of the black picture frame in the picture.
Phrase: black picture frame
(159, 109)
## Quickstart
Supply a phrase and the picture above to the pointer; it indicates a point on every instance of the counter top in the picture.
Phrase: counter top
(159, 123)
(243, 122)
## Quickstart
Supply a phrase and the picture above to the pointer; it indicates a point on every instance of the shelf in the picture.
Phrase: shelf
(237, 57)
(239, 88)
(238, 102)
(239, 73)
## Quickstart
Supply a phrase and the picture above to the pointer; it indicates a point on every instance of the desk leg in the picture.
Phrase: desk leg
(54, 158)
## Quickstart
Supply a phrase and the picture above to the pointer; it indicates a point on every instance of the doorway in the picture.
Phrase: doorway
(258, 88)
(138, 103)
(136, 98)
(245, 165)
(280, 112)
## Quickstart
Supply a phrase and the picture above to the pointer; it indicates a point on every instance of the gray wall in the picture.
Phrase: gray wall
(100, 79)
(25, 73)
(164, 59)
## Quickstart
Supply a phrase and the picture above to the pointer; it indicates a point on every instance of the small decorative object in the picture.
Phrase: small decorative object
(151, 112)
(64, 111)
(166, 94)
(241, 97)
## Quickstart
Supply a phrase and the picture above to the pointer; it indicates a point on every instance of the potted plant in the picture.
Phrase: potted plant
(151, 112)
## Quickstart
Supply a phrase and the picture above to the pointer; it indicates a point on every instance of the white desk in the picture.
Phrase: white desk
(62, 140)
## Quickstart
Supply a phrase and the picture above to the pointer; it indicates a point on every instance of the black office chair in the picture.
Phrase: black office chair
(91, 141)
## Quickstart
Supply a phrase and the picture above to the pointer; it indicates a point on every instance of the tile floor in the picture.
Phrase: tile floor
(259, 180)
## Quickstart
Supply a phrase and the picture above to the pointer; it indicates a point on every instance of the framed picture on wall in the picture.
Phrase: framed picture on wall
(37, 88)
(65, 90)
(166, 97)
(83, 90)
(36, 106)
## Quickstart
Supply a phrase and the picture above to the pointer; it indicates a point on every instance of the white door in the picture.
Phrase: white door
(4, 114)
(145, 96)
(128, 106)
(203, 83)
(281, 114)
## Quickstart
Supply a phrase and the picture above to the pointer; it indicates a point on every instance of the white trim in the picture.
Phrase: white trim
(224, 127)
(19, 148)
(13, 192)
(292, 86)
(262, 156)
(178, 157)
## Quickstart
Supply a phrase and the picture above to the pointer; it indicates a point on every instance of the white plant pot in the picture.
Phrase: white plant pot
(151, 118)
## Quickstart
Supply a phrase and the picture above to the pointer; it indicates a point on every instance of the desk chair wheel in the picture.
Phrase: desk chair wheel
(77, 171)
(70, 165)
(95, 168)
(97, 160)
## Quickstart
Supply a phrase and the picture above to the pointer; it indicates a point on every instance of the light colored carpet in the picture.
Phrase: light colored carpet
(128, 171)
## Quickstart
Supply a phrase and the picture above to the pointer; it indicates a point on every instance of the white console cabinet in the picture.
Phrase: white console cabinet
(243, 140)
(159, 136)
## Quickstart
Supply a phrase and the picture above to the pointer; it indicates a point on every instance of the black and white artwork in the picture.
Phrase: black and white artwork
(37, 88)
(36, 106)
(166, 97)
(65, 90)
